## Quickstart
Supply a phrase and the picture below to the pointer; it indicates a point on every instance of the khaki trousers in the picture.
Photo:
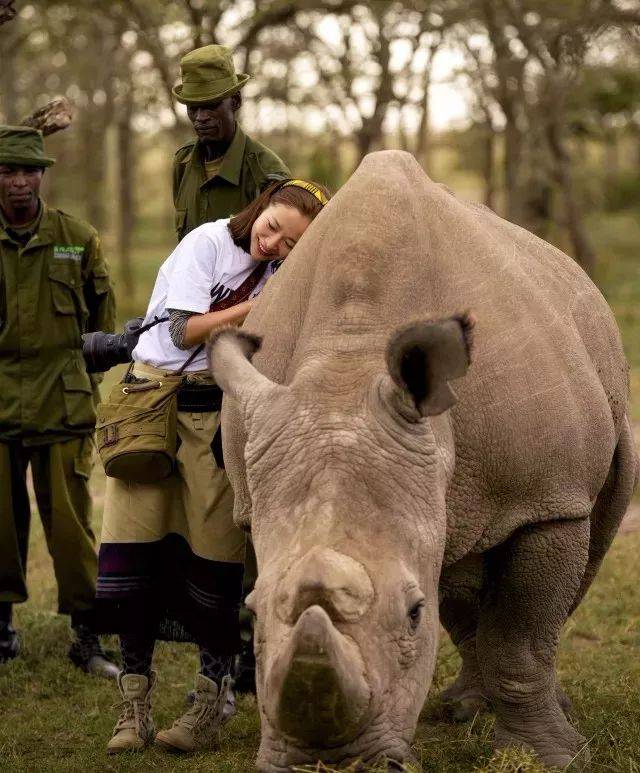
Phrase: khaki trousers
(60, 477)
(195, 501)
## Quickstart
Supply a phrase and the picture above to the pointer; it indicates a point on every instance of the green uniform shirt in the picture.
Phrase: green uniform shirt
(52, 289)
(247, 167)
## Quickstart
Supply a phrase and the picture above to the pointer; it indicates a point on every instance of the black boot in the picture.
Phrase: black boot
(9, 638)
(245, 669)
(86, 653)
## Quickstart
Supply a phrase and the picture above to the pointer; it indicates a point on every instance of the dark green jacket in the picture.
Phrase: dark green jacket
(51, 290)
(247, 167)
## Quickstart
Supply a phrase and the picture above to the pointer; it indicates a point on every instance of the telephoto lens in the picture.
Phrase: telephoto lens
(102, 351)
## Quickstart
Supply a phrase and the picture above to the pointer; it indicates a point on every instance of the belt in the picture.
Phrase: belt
(199, 398)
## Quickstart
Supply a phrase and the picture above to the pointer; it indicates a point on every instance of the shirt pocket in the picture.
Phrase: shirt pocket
(66, 294)
(101, 284)
(78, 397)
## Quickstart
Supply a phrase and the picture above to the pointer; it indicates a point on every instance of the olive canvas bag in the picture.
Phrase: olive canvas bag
(136, 427)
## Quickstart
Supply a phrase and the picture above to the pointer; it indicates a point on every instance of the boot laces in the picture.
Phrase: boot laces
(194, 715)
(203, 713)
(133, 710)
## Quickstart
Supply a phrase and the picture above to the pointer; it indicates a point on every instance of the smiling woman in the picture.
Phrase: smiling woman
(266, 230)
(171, 558)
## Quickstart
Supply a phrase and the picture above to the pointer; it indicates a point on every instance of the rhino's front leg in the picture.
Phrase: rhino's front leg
(460, 586)
(533, 580)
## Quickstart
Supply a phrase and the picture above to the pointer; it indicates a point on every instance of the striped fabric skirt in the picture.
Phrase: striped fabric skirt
(171, 559)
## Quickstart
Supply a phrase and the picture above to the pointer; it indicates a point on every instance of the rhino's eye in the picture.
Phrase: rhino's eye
(415, 615)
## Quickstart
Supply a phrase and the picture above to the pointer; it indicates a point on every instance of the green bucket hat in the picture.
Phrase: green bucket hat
(22, 145)
(208, 75)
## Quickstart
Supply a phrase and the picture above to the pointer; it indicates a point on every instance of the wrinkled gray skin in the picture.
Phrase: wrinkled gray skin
(379, 505)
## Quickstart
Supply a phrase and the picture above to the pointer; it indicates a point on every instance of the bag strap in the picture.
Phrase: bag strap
(190, 359)
(236, 296)
(243, 292)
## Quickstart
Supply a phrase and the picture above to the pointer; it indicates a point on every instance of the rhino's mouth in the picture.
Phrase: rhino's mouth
(279, 754)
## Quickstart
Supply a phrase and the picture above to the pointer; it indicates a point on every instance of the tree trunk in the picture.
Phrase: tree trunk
(371, 131)
(8, 77)
(582, 249)
(423, 145)
(126, 177)
(512, 170)
(92, 169)
(611, 158)
(98, 75)
(510, 94)
(403, 134)
(488, 167)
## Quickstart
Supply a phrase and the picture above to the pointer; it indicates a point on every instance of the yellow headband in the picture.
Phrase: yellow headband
(313, 189)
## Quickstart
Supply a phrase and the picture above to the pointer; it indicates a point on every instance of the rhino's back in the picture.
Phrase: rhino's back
(540, 409)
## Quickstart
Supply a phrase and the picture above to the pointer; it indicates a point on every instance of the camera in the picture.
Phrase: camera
(102, 351)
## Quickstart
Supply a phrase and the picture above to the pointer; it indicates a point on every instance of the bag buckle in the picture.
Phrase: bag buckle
(110, 435)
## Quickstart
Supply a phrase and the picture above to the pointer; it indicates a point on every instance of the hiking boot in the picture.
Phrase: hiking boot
(86, 653)
(9, 642)
(199, 728)
(229, 707)
(134, 730)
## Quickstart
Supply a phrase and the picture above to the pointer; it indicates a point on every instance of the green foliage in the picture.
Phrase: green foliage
(617, 238)
(623, 193)
(607, 90)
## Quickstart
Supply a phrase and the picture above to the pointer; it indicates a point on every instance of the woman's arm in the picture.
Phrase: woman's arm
(199, 326)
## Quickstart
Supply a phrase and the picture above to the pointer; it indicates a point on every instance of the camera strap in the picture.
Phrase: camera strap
(239, 295)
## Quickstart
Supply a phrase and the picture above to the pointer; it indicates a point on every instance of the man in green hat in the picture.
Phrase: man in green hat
(215, 176)
(223, 169)
(54, 286)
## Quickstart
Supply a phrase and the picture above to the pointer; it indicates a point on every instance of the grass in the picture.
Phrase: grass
(53, 719)
(56, 719)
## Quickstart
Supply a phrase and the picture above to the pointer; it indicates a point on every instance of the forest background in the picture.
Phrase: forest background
(530, 106)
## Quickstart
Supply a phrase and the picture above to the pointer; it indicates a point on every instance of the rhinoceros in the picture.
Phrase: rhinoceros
(382, 498)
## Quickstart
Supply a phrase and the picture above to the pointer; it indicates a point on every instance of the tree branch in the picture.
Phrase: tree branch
(282, 11)
(149, 35)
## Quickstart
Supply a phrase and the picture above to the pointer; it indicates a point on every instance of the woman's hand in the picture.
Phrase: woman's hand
(199, 326)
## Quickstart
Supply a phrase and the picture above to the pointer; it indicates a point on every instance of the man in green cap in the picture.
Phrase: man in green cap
(215, 176)
(223, 169)
(54, 286)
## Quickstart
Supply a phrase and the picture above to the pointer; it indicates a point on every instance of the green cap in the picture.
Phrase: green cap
(208, 75)
(22, 145)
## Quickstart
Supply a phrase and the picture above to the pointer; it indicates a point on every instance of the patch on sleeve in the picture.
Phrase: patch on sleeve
(68, 252)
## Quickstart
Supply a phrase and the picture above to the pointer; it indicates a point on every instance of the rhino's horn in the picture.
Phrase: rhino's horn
(316, 689)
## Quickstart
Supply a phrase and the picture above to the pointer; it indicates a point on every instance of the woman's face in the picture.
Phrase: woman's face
(276, 231)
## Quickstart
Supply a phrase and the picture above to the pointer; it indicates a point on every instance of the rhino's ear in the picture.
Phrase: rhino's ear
(424, 356)
(230, 351)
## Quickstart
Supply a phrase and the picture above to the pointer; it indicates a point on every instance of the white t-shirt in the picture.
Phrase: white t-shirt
(203, 269)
